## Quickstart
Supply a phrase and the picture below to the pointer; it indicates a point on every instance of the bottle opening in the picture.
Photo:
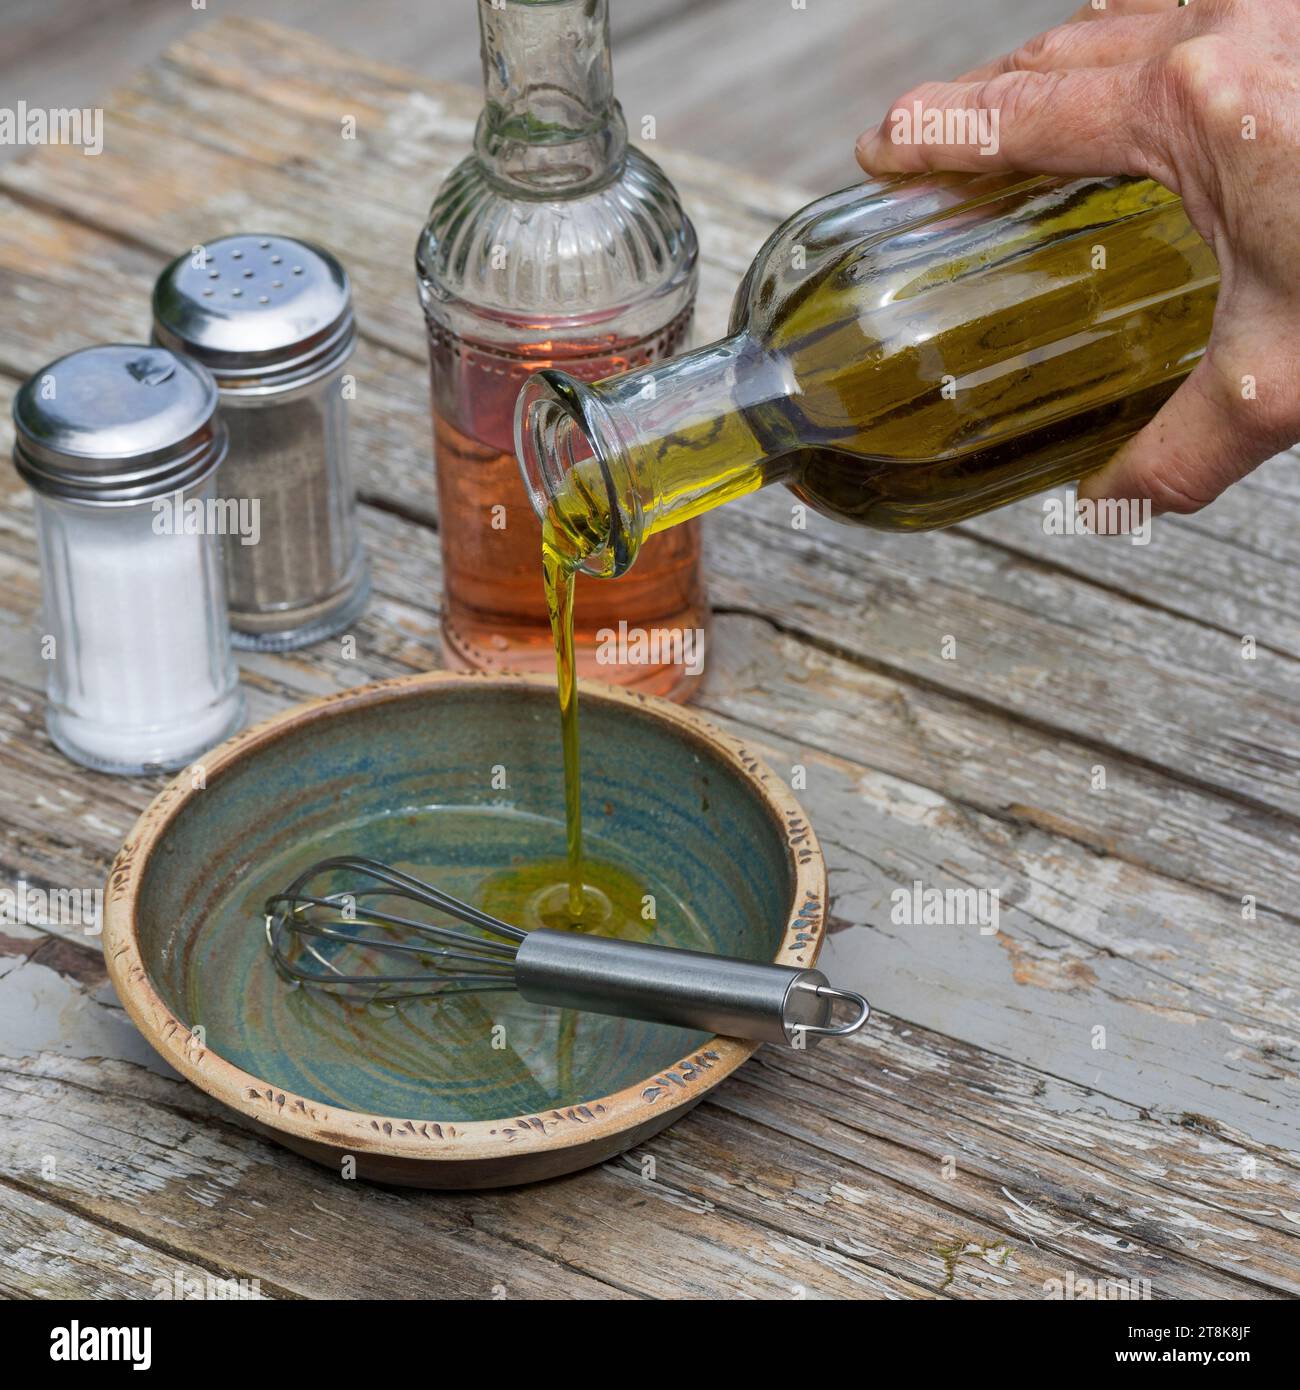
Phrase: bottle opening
(571, 479)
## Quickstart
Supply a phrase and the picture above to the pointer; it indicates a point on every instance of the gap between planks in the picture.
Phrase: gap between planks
(901, 675)
(53, 1197)
(854, 659)
(264, 32)
(220, 1119)
(1128, 595)
(905, 677)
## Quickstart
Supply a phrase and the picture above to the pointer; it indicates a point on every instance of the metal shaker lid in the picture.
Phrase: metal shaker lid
(117, 424)
(263, 313)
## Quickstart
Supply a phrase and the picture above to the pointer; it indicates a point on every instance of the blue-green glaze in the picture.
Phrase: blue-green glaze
(411, 781)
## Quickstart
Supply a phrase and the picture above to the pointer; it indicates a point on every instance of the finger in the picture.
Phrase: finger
(1199, 443)
(1090, 12)
(1088, 46)
(1081, 122)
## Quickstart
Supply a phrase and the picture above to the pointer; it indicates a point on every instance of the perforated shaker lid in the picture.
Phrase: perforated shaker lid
(263, 313)
(117, 424)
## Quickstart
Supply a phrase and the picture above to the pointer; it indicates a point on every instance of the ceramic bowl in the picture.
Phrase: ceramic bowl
(457, 777)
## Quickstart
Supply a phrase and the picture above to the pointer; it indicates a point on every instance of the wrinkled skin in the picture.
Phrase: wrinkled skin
(1142, 87)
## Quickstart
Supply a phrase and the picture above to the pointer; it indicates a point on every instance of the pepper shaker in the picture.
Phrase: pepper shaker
(121, 446)
(271, 318)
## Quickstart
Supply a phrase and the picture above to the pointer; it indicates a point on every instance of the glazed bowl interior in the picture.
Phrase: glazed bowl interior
(460, 782)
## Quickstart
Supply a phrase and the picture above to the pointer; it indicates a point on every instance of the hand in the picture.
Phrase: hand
(1205, 100)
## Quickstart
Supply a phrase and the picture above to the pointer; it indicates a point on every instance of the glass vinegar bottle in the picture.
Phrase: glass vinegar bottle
(554, 244)
(903, 355)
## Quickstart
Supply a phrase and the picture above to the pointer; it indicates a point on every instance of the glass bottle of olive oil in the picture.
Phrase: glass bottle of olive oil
(903, 355)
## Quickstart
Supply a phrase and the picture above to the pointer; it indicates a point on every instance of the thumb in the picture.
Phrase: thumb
(1201, 441)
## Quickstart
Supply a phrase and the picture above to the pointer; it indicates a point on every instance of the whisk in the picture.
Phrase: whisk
(319, 938)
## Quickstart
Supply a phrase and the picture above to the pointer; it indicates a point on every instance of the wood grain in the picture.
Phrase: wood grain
(765, 86)
(977, 1142)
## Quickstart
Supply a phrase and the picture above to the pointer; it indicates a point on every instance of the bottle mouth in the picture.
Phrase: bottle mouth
(575, 475)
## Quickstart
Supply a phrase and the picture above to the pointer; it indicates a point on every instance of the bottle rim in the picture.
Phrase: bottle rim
(559, 422)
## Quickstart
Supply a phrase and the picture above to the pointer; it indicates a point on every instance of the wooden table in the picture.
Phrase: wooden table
(786, 88)
(1105, 1089)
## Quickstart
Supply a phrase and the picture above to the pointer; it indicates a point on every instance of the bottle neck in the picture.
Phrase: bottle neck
(607, 466)
(550, 125)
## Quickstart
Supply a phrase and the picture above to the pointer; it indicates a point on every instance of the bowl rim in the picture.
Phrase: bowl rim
(424, 1140)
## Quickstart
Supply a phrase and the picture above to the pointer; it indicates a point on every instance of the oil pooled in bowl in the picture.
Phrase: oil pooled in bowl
(466, 1057)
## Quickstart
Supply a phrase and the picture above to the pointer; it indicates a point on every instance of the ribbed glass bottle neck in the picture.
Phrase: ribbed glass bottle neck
(550, 126)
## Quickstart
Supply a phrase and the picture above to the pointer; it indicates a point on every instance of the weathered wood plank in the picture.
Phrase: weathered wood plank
(1219, 1200)
(1232, 568)
(786, 89)
(149, 1153)
(780, 93)
(1007, 769)
(1046, 647)
(1074, 659)
(1164, 1155)
(243, 134)
(1066, 931)
(1015, 773)
(887, 1175)
(51, 1252)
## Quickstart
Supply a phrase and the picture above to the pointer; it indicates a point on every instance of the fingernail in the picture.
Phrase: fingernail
(868, 142)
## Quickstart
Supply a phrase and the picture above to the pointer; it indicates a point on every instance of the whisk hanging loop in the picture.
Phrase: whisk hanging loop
(320, 938)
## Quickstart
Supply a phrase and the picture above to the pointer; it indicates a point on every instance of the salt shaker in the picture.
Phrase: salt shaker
(271, 318)
(120, 446)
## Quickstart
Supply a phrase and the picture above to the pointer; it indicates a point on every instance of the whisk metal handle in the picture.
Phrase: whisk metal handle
(660, 984)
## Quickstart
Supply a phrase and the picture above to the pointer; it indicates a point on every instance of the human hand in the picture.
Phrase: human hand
(1205, 100)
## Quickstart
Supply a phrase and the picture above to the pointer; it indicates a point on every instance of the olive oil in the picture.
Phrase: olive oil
(536, 894)
(468, 1057)
(493, 617)
(560, 576)
(903, 356)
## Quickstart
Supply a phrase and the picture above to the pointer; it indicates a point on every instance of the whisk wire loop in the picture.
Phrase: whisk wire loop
(406, 886)
(455, 961)
(319, 937)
